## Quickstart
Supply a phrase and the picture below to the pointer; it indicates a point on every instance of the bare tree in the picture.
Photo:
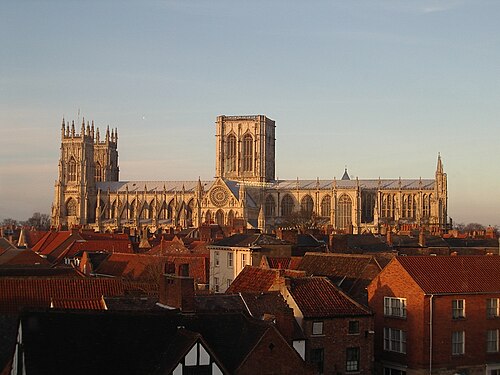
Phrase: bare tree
(38, 221)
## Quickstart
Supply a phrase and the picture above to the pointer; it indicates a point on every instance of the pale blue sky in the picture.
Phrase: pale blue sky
(379, 86)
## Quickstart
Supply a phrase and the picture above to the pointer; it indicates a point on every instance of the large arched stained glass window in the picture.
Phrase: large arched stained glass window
(286, 205)
(247, 153)
(219, 217)
(71, 207)
(307, 205)
(326, 206)
(344, 211)
(270, 206)
(98, 173)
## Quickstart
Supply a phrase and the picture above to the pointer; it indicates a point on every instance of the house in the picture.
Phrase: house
(169, 342)
(350, 272)
(437, 314)
(338, 331)
(231, 254)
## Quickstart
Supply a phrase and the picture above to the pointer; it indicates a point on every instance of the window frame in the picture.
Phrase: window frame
(317, 328)
(216, 258)
(395, 340)
(458, 309)
(492, 341)
(351, 331)
(230, 260)
(352, 359)
(390, 308)
(492, 309)
(458, 343)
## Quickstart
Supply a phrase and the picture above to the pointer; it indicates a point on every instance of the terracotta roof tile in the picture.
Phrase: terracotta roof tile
(38, 292)
(253, 279)
(454, 274)
(318, 297)
(78, 304)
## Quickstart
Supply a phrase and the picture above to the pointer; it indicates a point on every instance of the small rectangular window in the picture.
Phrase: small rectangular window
(216, 284)
(317, 328)
(492, 341)
(395, 307)
(353, 327)
(458, 342)
(230, 260)
(229, 281)
(216, 258)
(243, 260)
(317, 359)
(492, 308)
(458, 308)
(394, 340)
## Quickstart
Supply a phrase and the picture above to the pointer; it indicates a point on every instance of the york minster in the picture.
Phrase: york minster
(245, 191)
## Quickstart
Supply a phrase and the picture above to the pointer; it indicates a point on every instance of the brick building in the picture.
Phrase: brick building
(437, 314)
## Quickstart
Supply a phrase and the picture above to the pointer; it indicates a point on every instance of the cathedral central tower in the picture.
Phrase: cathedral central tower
(245, 148)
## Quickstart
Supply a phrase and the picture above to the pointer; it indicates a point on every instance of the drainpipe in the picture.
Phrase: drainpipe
(430, 334)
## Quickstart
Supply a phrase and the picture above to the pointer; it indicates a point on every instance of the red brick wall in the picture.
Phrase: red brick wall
(273, 355)
(336, 339)
(394, 281)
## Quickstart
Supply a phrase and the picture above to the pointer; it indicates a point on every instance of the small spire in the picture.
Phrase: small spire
(98, 136)
(107, 134)
(346, 175)
(72, 128)
(92, 129)
(88, 129)
(63, 128)
(439, 168)
(82, 131)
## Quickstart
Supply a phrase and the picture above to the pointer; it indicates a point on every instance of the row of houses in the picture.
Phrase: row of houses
(338, 313)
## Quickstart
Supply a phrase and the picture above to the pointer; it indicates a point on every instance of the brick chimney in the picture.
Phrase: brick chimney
(389, 236)
(177, 292)
(421, 237)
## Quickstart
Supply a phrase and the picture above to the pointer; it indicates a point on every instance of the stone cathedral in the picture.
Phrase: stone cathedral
(88, 192)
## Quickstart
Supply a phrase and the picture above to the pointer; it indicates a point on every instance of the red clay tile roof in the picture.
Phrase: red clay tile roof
(148, 267)
(31, 237)
(38, 292)
(78, 304)
(454, 274)
(21, 257)
(317, 297)
(51, 241)
(253, 279)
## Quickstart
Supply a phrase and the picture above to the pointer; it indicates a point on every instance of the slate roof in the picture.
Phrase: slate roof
(8, 336)
(472, 242)
(249, 240)
(126, 343)
(335, 266)
(385, 184)
(253, 279)
(19, 293)
(360, 243)
(317, 297)
(413, 241)
(453, 274)
(152, 186)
